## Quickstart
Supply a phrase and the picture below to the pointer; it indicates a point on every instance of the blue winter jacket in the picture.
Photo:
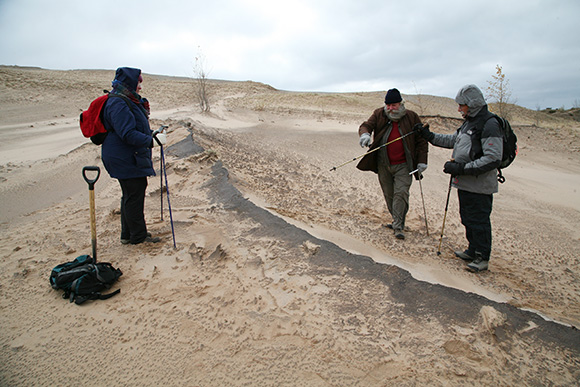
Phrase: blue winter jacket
(126, 151)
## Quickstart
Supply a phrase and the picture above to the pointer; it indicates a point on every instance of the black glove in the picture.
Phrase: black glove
(453, 168)
(424, 131)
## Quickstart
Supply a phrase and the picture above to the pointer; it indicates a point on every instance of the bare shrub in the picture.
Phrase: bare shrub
(201, 84)
(499, 92)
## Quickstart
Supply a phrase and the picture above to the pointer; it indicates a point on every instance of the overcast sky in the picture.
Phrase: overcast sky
(417, 46)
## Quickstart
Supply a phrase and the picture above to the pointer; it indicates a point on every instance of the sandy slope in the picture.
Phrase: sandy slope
(283, 273)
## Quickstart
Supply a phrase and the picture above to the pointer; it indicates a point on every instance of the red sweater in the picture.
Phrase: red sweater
(395, 151)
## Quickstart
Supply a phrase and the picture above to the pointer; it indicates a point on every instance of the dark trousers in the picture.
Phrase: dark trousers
(133, 225)
(475, 211)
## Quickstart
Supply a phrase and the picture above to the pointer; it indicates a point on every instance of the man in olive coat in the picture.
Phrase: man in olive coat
(394, 163)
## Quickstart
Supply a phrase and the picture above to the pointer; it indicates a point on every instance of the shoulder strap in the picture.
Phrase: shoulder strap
(127, 101)
(93, 296)
(479, 125)
(124, 99)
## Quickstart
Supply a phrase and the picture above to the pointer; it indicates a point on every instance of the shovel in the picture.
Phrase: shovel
(91, 183)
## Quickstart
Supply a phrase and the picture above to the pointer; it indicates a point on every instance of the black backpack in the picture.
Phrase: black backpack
(83, 280)
(510, 144)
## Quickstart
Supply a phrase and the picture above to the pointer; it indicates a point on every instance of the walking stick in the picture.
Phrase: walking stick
(424, 210)
(445, 216)
(422, 198)
(163, 172)
(161, 129)
(168, 201)
(369, 152)
(91, 183)
(161, 185)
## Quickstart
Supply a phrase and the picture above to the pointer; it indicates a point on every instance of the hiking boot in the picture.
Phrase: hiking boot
(477, 265)
(149, 239)
(464, 255)
(127, 241)
(390, 226)
(399, 234)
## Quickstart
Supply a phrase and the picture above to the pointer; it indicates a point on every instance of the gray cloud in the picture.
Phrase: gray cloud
(419, 45)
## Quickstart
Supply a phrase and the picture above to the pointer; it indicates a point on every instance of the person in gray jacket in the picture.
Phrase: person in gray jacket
(477, 152)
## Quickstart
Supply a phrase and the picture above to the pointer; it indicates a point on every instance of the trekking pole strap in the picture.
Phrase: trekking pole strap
(94, 296)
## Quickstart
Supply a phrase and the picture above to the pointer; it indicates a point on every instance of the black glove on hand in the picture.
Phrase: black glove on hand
(423, 131)
(453, 168)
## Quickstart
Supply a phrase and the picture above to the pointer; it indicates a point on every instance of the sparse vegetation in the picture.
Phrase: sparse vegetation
(573, 113)
(419, 102)
(499, 92)
(201, 77)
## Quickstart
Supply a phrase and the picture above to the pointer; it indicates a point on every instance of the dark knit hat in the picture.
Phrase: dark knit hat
(393, 96)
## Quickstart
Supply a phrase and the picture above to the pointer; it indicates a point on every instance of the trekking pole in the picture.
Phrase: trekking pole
(369, 152)
(422, 199)
(91, 183)
(161, 129)
(445, 216)
(161, 185)
(168, 201)
(424, 210)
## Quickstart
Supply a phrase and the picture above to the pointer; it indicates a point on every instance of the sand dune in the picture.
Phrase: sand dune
(283, 273)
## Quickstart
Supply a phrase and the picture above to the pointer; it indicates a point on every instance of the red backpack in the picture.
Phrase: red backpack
(91, 119)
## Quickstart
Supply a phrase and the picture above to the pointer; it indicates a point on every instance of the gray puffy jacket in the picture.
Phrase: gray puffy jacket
(480, 173)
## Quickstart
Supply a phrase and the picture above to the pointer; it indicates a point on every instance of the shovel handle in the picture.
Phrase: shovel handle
(91, 182)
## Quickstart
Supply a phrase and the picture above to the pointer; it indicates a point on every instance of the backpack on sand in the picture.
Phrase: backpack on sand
(91, 119)
(83, 280)
(510, 145)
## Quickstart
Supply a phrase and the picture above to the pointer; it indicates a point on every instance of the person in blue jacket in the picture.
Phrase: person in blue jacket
(126, 151)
